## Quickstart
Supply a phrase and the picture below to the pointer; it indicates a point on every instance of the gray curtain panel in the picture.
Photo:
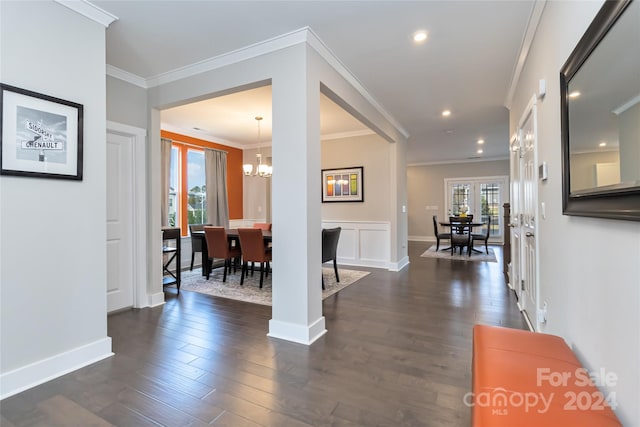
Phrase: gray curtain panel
(217, 201)
(165, 151)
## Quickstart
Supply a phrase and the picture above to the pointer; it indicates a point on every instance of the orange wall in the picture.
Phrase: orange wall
(234, 169)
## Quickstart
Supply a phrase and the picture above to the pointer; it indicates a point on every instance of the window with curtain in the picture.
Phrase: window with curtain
(187, 187)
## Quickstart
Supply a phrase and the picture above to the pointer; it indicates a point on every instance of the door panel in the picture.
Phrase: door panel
(516, 190)
(119, 222)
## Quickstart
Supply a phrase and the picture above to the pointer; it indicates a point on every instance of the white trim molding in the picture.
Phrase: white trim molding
(306, 335)
(26, 377)
(397, 266)
(363, 243)
(532, 26)
(139, 139)
(120, 74)
(89, 10)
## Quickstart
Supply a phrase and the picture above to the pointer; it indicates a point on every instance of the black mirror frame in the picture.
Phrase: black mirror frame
(623, 203)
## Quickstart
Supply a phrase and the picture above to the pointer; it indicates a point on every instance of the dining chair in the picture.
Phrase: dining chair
(253, 250)
(462, 236)
(196, 242)
(218, 247)
(482, 236)
(262, 225)
(330, 237)
(438, 234)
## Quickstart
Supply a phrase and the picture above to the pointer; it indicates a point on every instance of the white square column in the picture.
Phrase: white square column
(297, 272)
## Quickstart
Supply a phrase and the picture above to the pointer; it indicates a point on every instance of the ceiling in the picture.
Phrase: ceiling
(466, 64)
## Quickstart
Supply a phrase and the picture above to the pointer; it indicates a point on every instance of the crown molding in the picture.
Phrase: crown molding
(266, 46)
(89, 10)
(629, 104)
(126, 76)
(351, 134)
(323, 50)
(201, 135)
(532, 26)
(302, 35)
(451, 162)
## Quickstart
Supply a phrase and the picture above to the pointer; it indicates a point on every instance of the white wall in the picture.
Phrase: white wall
(53, 232)
(589, 267)
(126, 103)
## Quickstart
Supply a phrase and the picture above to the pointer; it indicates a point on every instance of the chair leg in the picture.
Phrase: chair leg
(261, 273)
(335, 268)
(193, 254)
(437, 244)
(224, 275)
(323, 282)
(486, 246)
(208, 267)
(242, 272)
(266, 273)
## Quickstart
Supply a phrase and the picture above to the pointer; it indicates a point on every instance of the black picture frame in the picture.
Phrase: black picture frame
(40, 136)
(612, 202)
(343, 185)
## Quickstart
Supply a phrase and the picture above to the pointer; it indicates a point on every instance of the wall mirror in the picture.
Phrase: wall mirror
(600, 108)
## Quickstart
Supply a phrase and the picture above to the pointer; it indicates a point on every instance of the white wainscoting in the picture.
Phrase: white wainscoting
(363, 243)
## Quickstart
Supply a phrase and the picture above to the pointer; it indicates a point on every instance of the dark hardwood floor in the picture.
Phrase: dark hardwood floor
(398, 353)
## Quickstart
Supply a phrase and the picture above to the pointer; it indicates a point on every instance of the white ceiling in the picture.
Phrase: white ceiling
(466, 65)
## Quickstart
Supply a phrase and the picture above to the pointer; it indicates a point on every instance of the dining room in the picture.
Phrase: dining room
(365, 239)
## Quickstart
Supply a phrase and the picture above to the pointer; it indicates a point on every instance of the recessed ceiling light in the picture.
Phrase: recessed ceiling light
(481, 141)
(480, 151)
(448, 131)
(574, 94)
(419, 36)
(446, 113)
(603, 144)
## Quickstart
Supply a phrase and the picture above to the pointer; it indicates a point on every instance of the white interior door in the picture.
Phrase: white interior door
(525, 240)
(120, 276)
(515, 281)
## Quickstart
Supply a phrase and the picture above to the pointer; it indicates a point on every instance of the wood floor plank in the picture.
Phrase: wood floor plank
(397, 353)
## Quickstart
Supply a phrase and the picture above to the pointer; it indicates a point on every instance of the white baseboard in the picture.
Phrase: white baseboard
(397, 266)
(156, 299)
(33, 374)
(300, 334)
(421, 238)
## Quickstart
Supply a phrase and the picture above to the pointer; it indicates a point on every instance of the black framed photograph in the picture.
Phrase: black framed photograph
(41, 136)
(343, 185)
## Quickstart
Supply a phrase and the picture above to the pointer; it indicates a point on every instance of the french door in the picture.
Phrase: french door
(481, 197)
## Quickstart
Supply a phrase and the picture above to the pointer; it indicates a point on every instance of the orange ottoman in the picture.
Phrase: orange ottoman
(522, 379)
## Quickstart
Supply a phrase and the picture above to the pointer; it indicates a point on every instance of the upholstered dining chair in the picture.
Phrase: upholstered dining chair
(461, 238)
(484, 236)
(218, 247)
(253, 250)
(196, 243)
(330, 237)
(263, 225)
(438, 234)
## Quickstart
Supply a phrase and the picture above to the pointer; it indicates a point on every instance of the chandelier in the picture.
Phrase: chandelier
(261, 169)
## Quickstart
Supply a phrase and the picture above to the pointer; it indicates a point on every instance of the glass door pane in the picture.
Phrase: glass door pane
(490, 202)
(460, 198)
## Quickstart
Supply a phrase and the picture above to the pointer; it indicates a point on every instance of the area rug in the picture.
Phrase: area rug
(250, 291)
(432, 253)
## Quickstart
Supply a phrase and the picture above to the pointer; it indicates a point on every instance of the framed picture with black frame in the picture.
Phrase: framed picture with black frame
(41, 136)
(343, 185)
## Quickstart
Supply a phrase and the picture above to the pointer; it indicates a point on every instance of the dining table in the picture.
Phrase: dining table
(454, 224)
(232, 236)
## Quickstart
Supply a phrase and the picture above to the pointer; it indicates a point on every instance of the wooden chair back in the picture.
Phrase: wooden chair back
(217, 242)
(252, 245)
(263, 225)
